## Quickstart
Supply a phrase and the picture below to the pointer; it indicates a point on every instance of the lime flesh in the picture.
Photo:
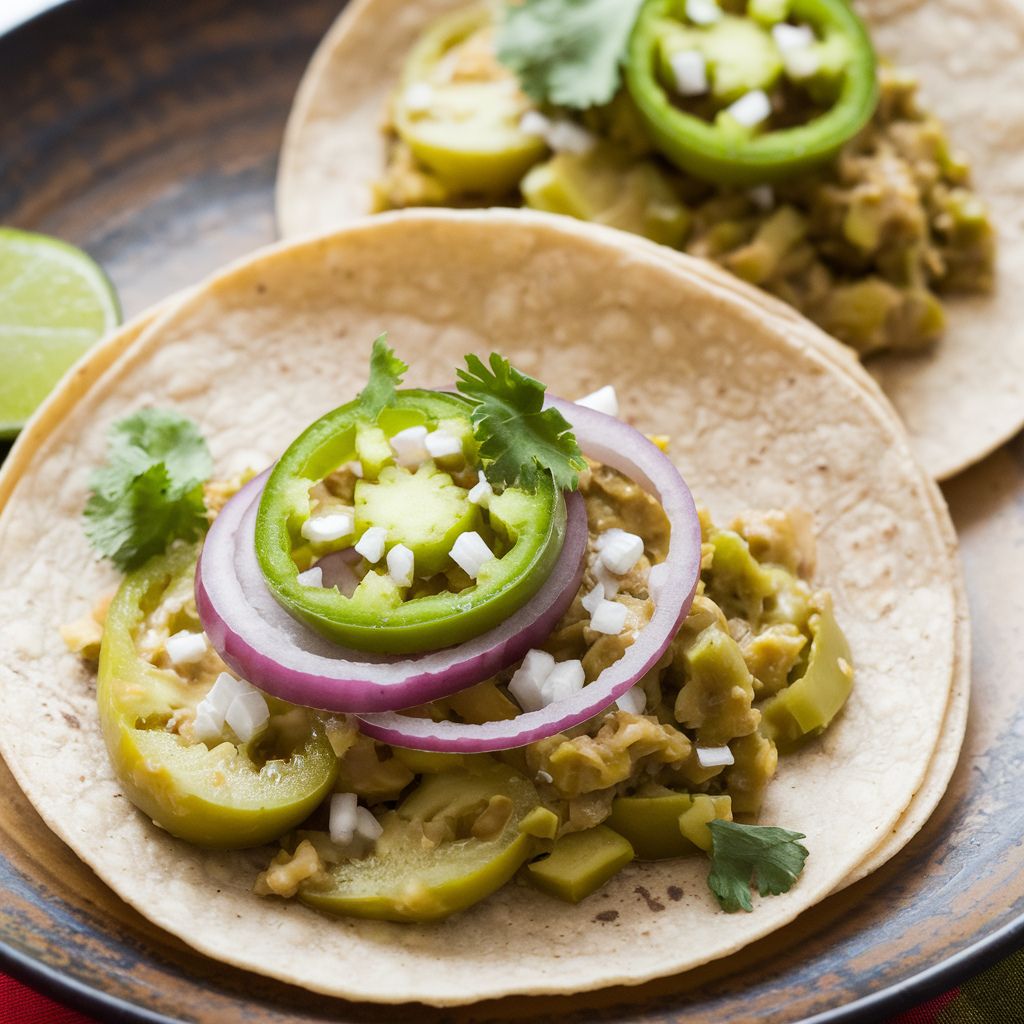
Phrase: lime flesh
(54, 303)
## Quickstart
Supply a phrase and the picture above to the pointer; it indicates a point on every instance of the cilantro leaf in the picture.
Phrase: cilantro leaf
(567, 52)
(150, 490)
(386, 371)
(772, 857)
(518, 438)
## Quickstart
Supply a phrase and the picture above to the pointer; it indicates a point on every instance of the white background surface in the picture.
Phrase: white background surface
(14, 11)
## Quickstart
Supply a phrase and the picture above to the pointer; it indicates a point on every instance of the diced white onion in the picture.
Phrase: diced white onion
(609, 617)
(186, 647)
(312, 577)
(367, 825)
(418, 97)
(789, 38)
(801, 64)
(608, 580)
(750, 109)
(409, 446)
(620, 550)
(208, 726)
(593, 600)
(371, 544)
(703, 12)
(565, 679)
(569, 137)
(633, 700)
(224, 690)
(355, 467)
(248, 715)
(440, 443)
(714, 757)
(689, 72)
(481, 492)
(527, 681)
(533, 122)
(330, 527)
(562, 136)
(343, 818)
(602, 400)
(470, 552)
(401, 563)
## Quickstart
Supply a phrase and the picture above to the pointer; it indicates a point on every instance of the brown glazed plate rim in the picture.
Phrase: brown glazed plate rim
(912, 991)
(890, 1001)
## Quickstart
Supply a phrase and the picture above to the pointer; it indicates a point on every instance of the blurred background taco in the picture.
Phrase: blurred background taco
(856, 169)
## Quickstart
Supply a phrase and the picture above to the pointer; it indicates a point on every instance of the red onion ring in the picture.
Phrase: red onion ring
(283, 657)
(620, 446)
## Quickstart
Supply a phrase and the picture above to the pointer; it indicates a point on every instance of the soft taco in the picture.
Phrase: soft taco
(751, 413)
(862, 200)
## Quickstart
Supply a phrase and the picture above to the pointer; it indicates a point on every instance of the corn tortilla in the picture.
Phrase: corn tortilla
(759, 418)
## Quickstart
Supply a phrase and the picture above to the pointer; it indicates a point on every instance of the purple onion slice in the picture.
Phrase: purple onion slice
(281, 656)
(620, 446)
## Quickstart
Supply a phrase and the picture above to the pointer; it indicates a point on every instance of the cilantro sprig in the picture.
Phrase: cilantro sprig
(567, 52)
(769, 858)
(150, 489)
(518, 438)
(386, 371)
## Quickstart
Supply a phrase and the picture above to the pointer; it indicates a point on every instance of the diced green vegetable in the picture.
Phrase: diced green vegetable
(716, 698)
(807, 706)
(668, 825)
(736, 582)
(580, 863)
(540, 823)
(605, 188)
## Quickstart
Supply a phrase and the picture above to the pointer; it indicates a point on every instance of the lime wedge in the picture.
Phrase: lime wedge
(54, 303)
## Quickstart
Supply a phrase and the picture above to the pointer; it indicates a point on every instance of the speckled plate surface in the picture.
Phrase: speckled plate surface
(149, 134)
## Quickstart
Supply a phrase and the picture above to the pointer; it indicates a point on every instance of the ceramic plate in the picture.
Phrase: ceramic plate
(148, 133)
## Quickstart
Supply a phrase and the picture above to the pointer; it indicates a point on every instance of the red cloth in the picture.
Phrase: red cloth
(20, 1005)
(928, 1013)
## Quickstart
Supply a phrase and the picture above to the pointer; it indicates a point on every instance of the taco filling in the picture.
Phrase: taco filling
(761, 134)
(449, 639)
